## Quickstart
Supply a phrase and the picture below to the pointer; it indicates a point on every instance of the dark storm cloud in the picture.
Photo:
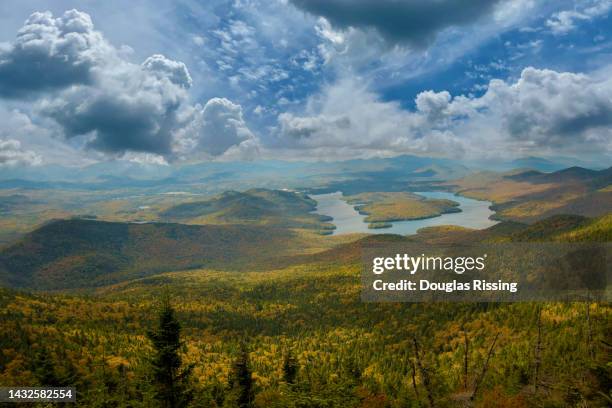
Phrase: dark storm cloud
(88, 89)
(131, 107)
(83, 83)
(413, 22)
(50, 53)
(116, 122)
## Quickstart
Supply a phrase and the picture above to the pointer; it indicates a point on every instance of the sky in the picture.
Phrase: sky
(183, 81)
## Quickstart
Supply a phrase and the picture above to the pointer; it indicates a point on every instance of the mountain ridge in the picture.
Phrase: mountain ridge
(78, 252)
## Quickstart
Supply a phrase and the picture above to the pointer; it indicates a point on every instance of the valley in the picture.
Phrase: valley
(278, 269)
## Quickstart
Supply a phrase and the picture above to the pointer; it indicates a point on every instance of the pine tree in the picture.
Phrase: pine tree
(242, 381)
(44, 369)
(170, 380)
(290, 368)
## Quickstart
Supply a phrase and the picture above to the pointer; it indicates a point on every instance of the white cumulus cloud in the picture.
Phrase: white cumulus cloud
(564, 21)
(102, 100)
(544, 111)
(215, 128)
(52, 53)
(12, 154)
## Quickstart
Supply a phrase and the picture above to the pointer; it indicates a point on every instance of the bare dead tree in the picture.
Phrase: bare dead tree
(465, 359)
(414, 385)
(424, 373)
(484, 368)
(589, 329)
(538, 352)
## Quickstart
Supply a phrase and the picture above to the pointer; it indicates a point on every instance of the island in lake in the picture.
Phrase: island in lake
(383, 208)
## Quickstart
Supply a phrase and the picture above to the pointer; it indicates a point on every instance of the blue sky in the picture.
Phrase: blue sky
(183, 81)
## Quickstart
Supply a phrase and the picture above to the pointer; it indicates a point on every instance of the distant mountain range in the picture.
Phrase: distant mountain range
(273, 174)
(547, 165)
(594, 178)
(221, 176)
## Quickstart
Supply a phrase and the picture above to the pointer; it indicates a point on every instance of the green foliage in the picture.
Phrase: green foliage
(349, 353)
(379, 225)
(530, 196)
(171, 381)
(596, 230)
(290, 368)
(547, 229)
(43, 368)
(241, 379)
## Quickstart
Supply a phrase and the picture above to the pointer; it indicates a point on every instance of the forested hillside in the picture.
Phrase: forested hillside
(399, 206)
(529, 196)
(346, 353)
(254, 207)
(77, 253)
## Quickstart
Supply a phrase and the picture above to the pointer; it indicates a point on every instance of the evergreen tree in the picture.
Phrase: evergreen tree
(44, 369)
(290, 368)
(68, 375)
(171, 381)
(242, 381)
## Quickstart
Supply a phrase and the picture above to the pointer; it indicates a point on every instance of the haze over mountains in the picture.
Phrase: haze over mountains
(110, 222)
(262, 226)
(126, 173)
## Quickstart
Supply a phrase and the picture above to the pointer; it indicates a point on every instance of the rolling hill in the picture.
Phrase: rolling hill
(80, 253)
(77, 252)
(278, 208)
(530, 196)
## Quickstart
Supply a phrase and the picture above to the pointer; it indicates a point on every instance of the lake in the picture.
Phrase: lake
(474, 214)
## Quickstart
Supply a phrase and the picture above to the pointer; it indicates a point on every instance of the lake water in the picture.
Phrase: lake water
(474, 214)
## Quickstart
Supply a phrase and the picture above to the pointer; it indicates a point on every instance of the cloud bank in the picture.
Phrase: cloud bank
(347, 88)
(542, 111)
(51, 53)
(82, 82)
